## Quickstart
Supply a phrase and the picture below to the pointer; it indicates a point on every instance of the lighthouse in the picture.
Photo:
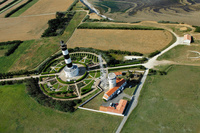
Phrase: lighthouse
(70, 69)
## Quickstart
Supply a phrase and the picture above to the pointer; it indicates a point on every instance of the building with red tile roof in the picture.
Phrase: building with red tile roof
(187, 39)
(118, 109)
(118, 73)
(120, 83)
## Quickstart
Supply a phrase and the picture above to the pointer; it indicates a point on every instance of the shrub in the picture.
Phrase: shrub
(34, 91)
(154, 54)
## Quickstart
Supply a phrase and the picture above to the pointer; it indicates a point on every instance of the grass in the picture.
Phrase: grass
(18, 109)
(98, 74)
(130, 91)
(92, 74)
(23, 9)
(8, 61)
(56, 85)
(95, 103)
(117, 56)
(180, 54)
(168, 103)
(87, 81)
(31, 56)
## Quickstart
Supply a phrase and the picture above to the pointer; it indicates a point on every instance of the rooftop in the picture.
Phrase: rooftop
(119, 109)
(112, 90)
(187, 37)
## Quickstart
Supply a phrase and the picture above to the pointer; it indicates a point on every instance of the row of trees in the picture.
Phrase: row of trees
(16, 9)
(3, 1)
(58, 25)
(13, 48)
(9, 4)
(91, 26)
(34, 91)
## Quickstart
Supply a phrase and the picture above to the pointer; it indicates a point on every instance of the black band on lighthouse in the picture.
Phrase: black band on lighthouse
(66, 56)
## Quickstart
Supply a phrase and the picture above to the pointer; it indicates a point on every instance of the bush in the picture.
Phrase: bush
(57, 23)
(154, 54)
(34, 91)
(170, 22)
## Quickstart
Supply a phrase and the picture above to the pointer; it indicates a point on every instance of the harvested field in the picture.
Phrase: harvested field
(5, 3)
(23, 28)
(2, 15)
(144, 41)
(48, 6)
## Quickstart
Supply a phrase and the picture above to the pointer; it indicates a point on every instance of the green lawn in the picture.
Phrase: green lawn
(168, 104)
(130, 91)
(23, 9)
(20, 113)
(96, 102)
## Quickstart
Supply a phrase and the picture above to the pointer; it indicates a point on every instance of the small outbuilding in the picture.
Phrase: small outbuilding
(187, 39)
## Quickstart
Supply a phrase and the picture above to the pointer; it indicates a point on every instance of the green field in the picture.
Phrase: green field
(20, 113)
(8, 61)
(23, 9)
(181, 53)
(168, 104)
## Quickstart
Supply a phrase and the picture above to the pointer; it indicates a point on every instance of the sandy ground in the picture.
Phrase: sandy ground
(24, 28)
(94, 16)
(12, 8)
(48, 6)
(144, 41)
(189, 18)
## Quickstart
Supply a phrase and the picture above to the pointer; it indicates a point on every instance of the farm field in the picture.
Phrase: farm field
(143, 41)
(48, 6)
(8, 61)
(168, 103)
(181, 55)
(29, 116)
(23, 28)
(2, 15)
(38, 52)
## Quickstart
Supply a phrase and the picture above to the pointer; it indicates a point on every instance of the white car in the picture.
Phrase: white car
(118, 92)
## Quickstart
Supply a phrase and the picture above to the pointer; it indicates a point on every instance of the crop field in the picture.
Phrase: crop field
(2, 15)
(48, 6)
(143, 41)
(181, 54)
(29, 116)
(23, 28)
(38, 52)
(168, 103)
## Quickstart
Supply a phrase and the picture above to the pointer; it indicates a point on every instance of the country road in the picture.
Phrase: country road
(150, 64)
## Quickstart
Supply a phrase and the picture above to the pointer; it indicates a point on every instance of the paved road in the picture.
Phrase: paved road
(134, 102)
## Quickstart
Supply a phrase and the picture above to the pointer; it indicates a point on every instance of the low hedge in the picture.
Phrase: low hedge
(86, 91)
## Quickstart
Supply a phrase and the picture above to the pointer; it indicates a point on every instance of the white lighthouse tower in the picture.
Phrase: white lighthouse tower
(70, 69)
(112, 80)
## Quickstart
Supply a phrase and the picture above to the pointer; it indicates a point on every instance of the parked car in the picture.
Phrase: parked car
(118, 92)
